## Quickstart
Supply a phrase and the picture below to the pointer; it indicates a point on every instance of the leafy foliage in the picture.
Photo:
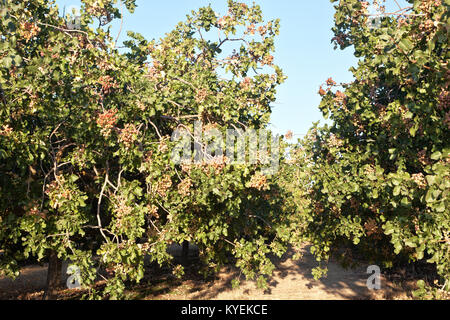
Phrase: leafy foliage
(377, 178)
(85, 150)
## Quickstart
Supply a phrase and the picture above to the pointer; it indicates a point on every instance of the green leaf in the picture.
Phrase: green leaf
(436, 156)
(431, 180)
(406, 45)
(7, 62)
(397, 191)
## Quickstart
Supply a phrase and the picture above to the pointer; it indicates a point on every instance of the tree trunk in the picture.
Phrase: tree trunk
(185, 252)
(53, 276)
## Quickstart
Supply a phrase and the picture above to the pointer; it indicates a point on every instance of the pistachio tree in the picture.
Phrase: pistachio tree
(86, 151)
(377, 177)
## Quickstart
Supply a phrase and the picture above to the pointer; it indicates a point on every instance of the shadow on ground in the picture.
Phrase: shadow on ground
(292, 280)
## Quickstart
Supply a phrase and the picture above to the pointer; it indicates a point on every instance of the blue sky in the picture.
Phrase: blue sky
(303, 49)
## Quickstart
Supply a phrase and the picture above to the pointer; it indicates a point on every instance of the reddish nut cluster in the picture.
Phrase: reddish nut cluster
(224, 22)
(151, 47)
(79, 155)
(57, 192)
(148, 157)
(444, 100)
(330, 82)
(234, 59)
(107, 83)
(29, 30)
(334, 142)
(374, 207)
(267, 60)
(163, 147)
(262, 30)
(215, 165)
(354, 204)
(209, 166)
(322, 92)
(106, 121)
(163, 186)
(312, 135)
(427, 25)
(145, 247)
(447, 119)
(420, 180)
(259, 182)
(246, 83)
(155, 71)
(122, 211)
(98, 9)
(364, 6)
(371, 227)
(153, 211)
(33, 209)
(184, 188)
(340, 97)
(141, 106)
(156, 64)
(218, 164)
(51, 187)
(6, 130)
(251, 29)
(403, 111)
(208, 127)
(289, 135)
(12, 72)
(201, 95)
(422, 156)
(318, 208)
(128, 135)
(402, 22)
(104, 64)
(427, 5)
(186, 167)
(340, 39)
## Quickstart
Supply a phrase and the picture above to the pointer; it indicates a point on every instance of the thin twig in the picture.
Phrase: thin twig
(99, 221)
(121, 23)
(156, 128)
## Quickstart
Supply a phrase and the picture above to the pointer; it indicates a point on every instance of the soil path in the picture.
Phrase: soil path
(292, 280)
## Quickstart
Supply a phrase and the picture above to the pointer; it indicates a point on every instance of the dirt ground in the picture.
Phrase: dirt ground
(292, 280)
